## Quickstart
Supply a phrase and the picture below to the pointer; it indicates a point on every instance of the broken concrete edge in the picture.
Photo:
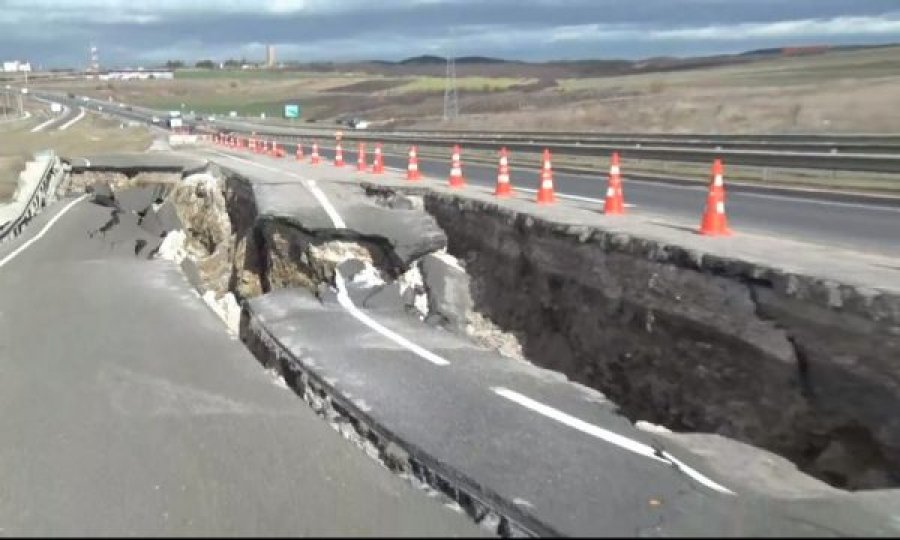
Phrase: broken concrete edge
(870, 303)
(22, 207)
(80, 165)
(476, 499)
(396, 266)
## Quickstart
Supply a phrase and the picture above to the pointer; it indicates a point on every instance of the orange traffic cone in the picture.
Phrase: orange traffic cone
(545, 194)
(412, 170)
(715, 222)
(299, 151)
(457, 180)
(314, 156)
(378, 162)
(615, 199)
(361, 157)
(504, 187)
(338, 155)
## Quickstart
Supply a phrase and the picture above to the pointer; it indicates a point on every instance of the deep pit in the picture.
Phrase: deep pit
(693, 343)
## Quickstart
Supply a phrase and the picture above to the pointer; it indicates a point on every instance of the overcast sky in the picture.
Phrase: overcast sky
(57, 33)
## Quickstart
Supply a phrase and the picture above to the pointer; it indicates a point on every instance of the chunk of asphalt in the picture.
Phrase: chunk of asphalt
(448, 288)
(411, 233)
(103, 194)
(138, 199)
(189, 267)
(152, 223)
(386, 297)
(168, 216)
(350, 268)
(326, 294)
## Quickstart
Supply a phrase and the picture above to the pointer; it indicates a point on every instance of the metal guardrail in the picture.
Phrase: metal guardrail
(36, 200)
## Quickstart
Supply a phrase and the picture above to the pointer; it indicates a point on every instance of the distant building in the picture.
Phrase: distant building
(136, 75)
(16, 66)
(270, 55)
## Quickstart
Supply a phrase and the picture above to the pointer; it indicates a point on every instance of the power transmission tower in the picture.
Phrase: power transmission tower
(451, 98)
(94, 66)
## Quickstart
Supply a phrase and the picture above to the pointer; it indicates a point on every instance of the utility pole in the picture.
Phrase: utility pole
(451, 97)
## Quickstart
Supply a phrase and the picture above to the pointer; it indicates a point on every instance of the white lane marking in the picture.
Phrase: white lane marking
(345, 302)
(39, 127)
(611, 437)
(342, 296)
(38, 236)
(324, 202)
(72, 121)
(573, 197)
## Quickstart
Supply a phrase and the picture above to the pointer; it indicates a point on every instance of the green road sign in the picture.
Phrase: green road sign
(292, 111)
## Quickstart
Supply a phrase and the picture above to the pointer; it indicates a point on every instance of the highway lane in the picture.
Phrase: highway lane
(128, 410)
(852, 225)
(55, 121)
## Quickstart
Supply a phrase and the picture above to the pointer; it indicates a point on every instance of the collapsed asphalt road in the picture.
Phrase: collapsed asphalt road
(127, 409)
(476, 421)
(519, 447)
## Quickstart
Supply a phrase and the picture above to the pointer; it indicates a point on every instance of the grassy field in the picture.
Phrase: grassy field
(476, 84)
(839, 91)
(91, 135)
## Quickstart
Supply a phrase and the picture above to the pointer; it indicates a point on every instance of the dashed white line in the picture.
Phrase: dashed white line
(573, 197)
(606, 435)
(72, 121)
(43, 231)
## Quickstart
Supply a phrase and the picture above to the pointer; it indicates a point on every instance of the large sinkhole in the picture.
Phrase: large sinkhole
(692, 345)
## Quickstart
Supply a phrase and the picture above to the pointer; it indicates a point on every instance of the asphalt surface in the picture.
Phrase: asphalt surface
(552, 454)
(127, 409)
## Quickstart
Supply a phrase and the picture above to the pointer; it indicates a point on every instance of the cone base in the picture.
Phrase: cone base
(457, 183)
(720, 232)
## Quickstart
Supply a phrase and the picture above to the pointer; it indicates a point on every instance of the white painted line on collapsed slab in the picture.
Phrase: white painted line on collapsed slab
(72, 121)
(345, 302)
(38, 236)
(609, 436)
(342, 296)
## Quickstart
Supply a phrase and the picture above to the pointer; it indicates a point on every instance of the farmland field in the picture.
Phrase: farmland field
(836, 91)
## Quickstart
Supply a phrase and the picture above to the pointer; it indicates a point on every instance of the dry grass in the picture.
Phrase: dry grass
(91, 135)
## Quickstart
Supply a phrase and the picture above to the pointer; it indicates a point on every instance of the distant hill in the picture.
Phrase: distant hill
(430, 59)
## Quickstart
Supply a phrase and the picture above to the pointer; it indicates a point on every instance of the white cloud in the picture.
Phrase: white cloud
(886, 24)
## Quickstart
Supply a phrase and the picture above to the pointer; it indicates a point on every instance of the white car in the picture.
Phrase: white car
(155, 120)
(84, 98)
